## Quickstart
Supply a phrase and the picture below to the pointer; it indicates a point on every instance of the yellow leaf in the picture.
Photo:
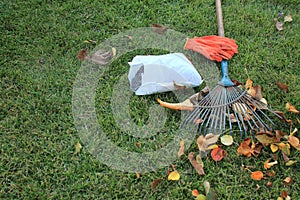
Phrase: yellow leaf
(77, 148)
(274, 148)
(227, 140)
(201, 197)
(288, 18)
(114, 51)
(214, 146)
(291, 108)
(290, 162)
(174, 176)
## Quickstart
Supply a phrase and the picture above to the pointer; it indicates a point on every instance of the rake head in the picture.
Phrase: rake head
(225, 106)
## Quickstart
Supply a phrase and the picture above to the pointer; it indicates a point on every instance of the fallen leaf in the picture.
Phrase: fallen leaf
(264, 101)
(181, 149)
(285, 148)
(284, 194)
(244, 148)
(288, 18)
(160, 29)
(201, 197)
(247, 150)
(114, 51)
(274, 148)
(278, 24)
(268, 164)
(248, 84)
(271, 173)
(285, 157)
(179, 86)
(266, 139)
(258, 93)
(287, 181)
(101, 57)
(291, 108)
(174, 176)
(294, 141)
(198, 166)
(290, 162)
(155, 183)
(195, 192)
(211, 147)
(204, 141)
(206, 185)
(83, 54)
(227, 140)
(283, 117)
(138, 175)
(283, 87)
(257, 175)
(78, 147)
(218, 154)
(185, 105)
(269, 184)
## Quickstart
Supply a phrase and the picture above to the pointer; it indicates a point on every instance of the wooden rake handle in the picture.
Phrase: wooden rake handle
(219, 18)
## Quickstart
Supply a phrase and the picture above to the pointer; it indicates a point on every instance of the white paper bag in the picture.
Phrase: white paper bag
(157, 73)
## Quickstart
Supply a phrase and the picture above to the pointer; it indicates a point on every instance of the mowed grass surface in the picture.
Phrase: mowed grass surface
(39, 46)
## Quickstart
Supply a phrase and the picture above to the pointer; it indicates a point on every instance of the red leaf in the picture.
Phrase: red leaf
(217, 154)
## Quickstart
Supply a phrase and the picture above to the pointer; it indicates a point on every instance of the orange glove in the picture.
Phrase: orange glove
(213, 47)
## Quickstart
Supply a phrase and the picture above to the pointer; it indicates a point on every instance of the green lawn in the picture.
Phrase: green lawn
(39, 46)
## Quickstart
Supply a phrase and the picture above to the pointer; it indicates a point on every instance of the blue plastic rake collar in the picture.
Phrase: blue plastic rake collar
(225, 81)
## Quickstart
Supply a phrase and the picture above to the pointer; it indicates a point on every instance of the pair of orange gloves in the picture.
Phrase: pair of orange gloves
(213, 47)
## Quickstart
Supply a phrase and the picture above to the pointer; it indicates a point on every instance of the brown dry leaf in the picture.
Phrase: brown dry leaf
(268, 164)
(78, 147)
(137, 175)
(283, 87)
(271, 173)
(265, 139)
(83, 54)
(291, 108)
(246, 150)
(198, 166)
(195, 98)
(287, 181)
(160, 29)
(288, 18)
(258, 93)
(294, 141)
(283, 117)
(278, 24)
(155, 183)
(181, 149)
(207, 140)
(218, 154)
(185, 105)
(102, 57)
(284, 194)
(248, 83)
(179, 86)
(257, 175)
